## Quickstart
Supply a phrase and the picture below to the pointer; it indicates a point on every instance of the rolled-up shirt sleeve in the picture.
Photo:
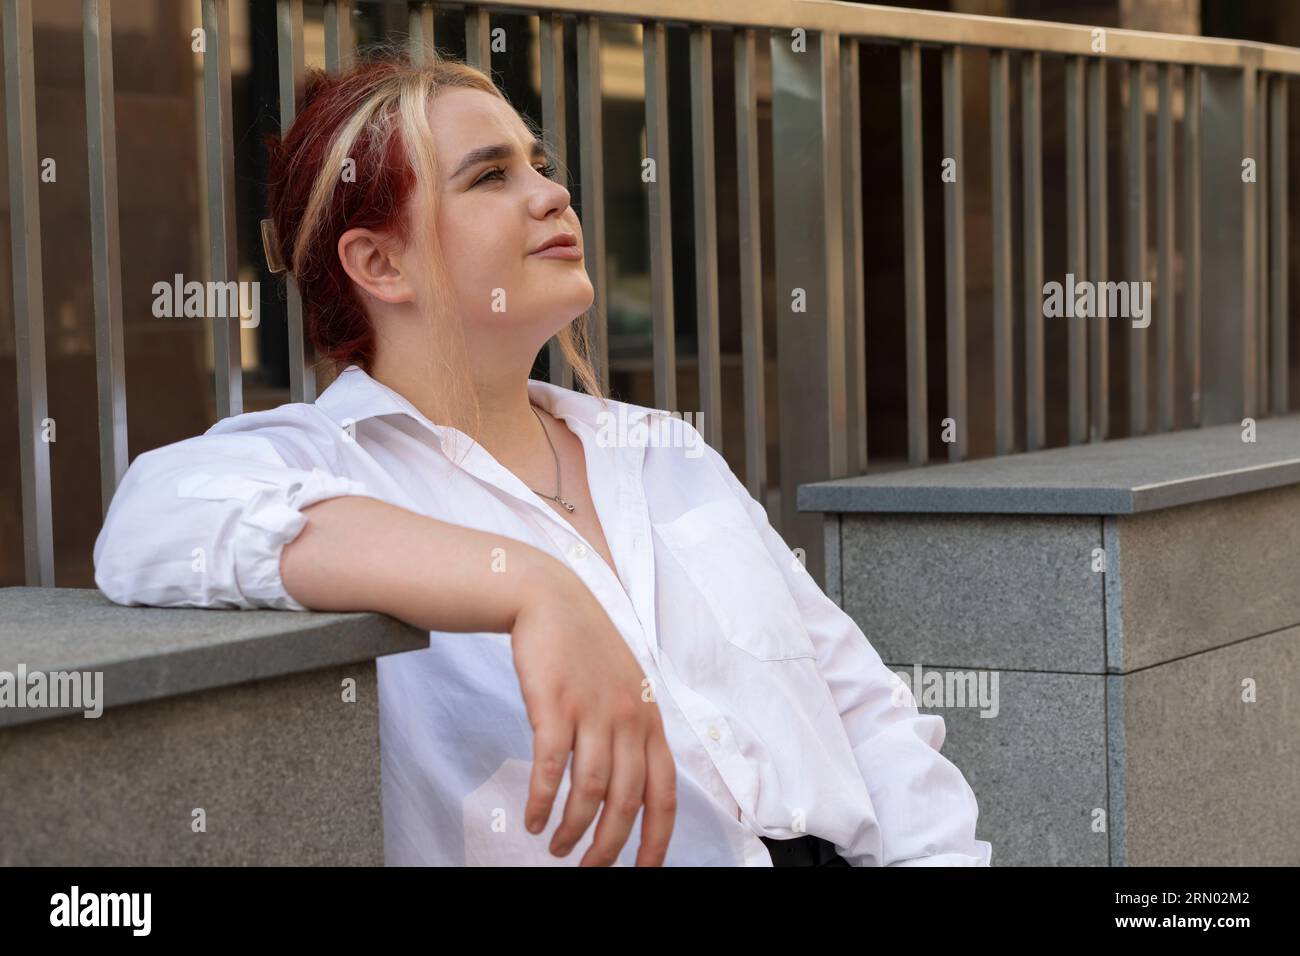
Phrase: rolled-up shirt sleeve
(925, 808)
(203, 522)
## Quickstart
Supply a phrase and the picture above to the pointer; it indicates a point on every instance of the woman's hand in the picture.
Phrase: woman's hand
(581, 684)
(584, 692)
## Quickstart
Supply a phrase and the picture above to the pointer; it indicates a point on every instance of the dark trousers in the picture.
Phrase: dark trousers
(806, 850)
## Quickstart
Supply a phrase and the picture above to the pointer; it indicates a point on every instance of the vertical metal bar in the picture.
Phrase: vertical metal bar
(1166, 282)
(855, 353)
(832, 418)
(591, 138)
(808, 229)
(1229, 347)
(1031, 106)
(1261, 241)
(909, 56)
(708, 347)
(29, 300)
(223, 262)
(478, 38)
(420, 31)
(1136, 243)
(289, 56)
(1000, 136)
(654, 41)
(340, 45)
(1099, 378)
(105, 248)
(1191, 340)
(1076, 242)
(1279, 243)
(550, 43)
(751, 264)
(954, 251)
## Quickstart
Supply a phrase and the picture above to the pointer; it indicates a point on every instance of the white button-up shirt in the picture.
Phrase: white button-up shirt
(780, 716)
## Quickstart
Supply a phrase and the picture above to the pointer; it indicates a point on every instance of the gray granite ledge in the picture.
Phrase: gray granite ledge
(146, 653)
(1124, 476)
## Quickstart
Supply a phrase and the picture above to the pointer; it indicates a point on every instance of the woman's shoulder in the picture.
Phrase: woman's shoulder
(301, 421)
(626, 423)
(296, 433)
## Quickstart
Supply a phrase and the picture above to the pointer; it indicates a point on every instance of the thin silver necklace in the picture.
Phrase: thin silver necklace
(558, 489)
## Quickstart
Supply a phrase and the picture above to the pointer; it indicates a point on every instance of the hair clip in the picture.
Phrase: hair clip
(271, 247)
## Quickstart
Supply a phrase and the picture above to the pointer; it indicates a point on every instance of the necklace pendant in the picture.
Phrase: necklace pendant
(563, 502)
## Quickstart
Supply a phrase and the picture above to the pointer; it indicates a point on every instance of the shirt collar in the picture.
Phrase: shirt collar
(355, 396)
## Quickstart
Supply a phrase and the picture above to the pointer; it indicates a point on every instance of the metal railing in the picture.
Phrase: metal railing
(1234, 253)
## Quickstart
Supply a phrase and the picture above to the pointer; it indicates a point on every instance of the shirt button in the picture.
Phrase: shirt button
(579, 550)
(713, 732)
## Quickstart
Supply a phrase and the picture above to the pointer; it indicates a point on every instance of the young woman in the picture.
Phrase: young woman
(617, 634)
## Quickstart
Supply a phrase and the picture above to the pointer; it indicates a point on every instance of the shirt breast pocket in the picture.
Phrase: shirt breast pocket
(720, 550)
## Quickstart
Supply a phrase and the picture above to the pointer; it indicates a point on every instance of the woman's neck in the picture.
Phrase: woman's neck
(508, 427)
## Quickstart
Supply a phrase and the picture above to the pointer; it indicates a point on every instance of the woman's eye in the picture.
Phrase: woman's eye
(548, 170)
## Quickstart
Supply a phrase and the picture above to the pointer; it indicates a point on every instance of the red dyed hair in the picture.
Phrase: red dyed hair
(332, 315)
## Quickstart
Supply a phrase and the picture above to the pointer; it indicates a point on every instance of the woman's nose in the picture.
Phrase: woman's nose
(556, 199)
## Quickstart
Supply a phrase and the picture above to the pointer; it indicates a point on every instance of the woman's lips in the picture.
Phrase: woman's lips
(559, 252)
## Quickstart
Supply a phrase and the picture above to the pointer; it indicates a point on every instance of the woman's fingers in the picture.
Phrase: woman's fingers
(660, 800)
(552, 741)
(623, 798)
(588, 781)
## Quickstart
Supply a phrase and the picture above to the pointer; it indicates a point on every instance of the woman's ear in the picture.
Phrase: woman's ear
(375, 263)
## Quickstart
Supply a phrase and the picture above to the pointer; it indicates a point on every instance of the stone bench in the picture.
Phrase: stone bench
(1138, 602)
(225, 737)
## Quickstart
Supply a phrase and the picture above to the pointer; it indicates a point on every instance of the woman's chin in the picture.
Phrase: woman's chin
(570, 301)
(557, 302)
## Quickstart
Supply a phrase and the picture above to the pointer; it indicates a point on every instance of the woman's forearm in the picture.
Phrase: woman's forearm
(358, 553)
(581, 685)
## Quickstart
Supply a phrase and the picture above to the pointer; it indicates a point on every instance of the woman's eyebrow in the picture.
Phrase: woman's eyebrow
(482, 154)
